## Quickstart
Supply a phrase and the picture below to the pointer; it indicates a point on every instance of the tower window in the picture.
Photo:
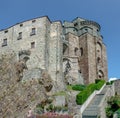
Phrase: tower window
(100, 74)
(81, 51)
(98, 60)
(19, 36)
(75, 24)
(4, 42)
(33, 32)
(76, 51)
(86, 30)
(32, 44)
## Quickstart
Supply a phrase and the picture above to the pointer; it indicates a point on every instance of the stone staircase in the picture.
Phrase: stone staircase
(93, 110)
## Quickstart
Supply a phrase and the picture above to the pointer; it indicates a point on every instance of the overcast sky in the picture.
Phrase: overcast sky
(105, 12)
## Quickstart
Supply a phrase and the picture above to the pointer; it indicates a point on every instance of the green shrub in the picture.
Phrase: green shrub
(108, 83)
(78, 87)
(112, 82)
(113, 106)
(118, 112)
(100, 84)
(82, 96)
(91, 87)
(97, 80)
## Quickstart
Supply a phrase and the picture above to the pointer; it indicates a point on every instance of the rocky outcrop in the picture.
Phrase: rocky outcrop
(17, 95)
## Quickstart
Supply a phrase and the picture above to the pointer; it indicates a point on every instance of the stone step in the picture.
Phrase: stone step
(92, 111)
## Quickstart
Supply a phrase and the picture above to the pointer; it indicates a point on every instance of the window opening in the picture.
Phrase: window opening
(33, 32)
(32, 44)
(19, 36)
(4, 42)
(81, 51)
(6, 31)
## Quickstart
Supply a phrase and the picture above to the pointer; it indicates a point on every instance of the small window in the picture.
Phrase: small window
(4, 42)
(19, 36)
(98, 60)
(21, 25)
(100, 74)
(6, 31)
(33, 21)
(75, 24)
(76, 51)
(33, 32)
(33, 45)
(86, 30)
(81, 51)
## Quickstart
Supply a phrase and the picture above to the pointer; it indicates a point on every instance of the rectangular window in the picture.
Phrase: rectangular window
(33, 32)
(32, 44)
(19, 36)
(33, 21)
(4, 42)
(6, 31)
(21, 25)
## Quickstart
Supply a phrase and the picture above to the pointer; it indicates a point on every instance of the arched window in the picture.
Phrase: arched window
(98, 60)
(99, 49)
(76, 51)
(81, 51)
(100, 74)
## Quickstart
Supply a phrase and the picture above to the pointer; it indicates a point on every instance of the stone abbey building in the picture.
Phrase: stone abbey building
(71, 52)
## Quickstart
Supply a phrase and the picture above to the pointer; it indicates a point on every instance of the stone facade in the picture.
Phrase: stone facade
(43, 39)
(72, 52)
(85, 50)
(117, 86)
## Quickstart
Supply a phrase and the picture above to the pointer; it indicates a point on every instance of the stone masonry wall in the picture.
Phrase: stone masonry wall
(91, 59)
(117, 86)
(42, 38)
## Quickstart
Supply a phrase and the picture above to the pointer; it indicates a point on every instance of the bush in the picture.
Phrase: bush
(109, 83)
(78, 87)
(113, 106)
(100, 84)
(82, 96)
(97, 80)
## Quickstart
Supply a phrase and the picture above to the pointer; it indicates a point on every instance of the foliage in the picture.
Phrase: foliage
(100, 84)
(60, 93)
(109, 83)
(113, 106)
(78, 87)
(118, 112)
(39, 109)
(82, 96)
(69, 87)
(97, 80)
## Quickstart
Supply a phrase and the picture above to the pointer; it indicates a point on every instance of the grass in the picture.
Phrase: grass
(60, 93)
